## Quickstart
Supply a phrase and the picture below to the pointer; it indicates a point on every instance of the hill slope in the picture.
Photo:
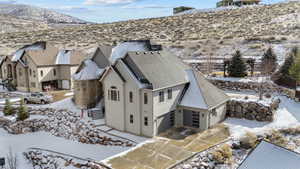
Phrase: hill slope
(216, 33)
(12, 24)
(37, 14)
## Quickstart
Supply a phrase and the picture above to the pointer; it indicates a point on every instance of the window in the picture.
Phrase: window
(54, 72)
(42, 73)
(172, 118)
(131, 119)
(32, 84)
(113, 94)
(33, 73)
(130, 97)
(146, 121)
(214, 112)
(30, 72)
(145, 98)
(170, 93)
(161, 96)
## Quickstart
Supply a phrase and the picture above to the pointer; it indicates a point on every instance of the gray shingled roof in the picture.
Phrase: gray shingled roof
(201, 93)
(270, 156)
(160, 68)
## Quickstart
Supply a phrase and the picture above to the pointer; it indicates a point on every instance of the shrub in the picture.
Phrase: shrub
(223, 155)
(277, 138)
(22, 112)
(249, 141)
(8, 109)
(268, 95)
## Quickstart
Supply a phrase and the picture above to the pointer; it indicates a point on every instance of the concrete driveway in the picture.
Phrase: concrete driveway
(170, 148)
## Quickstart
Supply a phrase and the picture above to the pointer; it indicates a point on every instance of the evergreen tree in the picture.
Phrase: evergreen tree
(295, 68)
(269, 62)
(22, 111)
(237, 67)
(284, 70)
(8, 109)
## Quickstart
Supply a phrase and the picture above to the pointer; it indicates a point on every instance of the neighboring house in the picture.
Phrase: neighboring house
(87, 88)
(41, 66)
(224, 3)
(270, 156)
(150, 90)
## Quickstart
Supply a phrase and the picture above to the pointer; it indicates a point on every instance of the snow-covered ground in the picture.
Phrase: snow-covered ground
(242, 80)
(288, 115)
(20, 143)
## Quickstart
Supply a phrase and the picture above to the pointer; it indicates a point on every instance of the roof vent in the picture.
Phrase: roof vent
(158, 52)
(137, 53)
(145, 53)
(152, 53)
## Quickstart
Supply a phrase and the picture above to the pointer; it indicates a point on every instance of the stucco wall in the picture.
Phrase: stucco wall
(114, 110)
(218, 116)
(160, 108)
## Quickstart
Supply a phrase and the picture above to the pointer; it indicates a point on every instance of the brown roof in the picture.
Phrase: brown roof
(44, 57)
(49, 55)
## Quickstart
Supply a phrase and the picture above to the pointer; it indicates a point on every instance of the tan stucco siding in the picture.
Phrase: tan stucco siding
(168, 105)
(218, 116)
(114, 110)
(47, 74)
(147, 111)
(132, 108)
(34, 85)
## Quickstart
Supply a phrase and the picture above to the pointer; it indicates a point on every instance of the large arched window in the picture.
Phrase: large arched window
(113, 94)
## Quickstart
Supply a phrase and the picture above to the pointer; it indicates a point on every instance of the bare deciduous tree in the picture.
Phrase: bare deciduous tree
(11, 160)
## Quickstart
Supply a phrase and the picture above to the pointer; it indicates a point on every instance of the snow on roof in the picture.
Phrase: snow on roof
(63, 57)
(17, 56)
(122, 49)
(267, 155)
(193, 97)
(19, 53)
(90, 71)
(298, 88)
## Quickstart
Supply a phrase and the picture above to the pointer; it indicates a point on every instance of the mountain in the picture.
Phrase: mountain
(38, 14)
(213, 33)
(13, 24)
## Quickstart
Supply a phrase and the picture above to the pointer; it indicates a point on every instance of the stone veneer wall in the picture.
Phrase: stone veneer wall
(253, 86)
(252, 110)
(87, 93)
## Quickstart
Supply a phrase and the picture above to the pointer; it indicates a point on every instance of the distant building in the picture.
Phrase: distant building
(181, 9)
(224, 3)
(40, 66)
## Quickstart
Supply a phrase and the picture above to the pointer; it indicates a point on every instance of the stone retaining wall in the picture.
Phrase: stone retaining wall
(253, 86)
(41, 160)
(65, 124)
(252, 110)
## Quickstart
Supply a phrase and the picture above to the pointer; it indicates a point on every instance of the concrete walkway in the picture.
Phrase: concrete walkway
(167, 151)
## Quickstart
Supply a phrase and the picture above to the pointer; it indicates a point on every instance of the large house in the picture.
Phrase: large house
(147, 90)
(224, 3)
(41, 66)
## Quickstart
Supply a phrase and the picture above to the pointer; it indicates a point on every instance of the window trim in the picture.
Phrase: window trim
(161, 96)
(145, 98)
(146, 121)
(131, 119)
(130, 97)
(170, 94)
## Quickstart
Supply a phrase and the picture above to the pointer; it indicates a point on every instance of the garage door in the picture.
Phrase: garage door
(191, 118)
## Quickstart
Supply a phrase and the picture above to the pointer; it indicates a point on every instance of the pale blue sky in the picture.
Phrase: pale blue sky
(117, 10)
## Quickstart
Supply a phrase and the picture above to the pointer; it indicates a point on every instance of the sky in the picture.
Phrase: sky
(102, 11)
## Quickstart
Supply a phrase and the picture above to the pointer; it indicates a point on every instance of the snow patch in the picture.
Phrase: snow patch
(122, 49)
(91, 71)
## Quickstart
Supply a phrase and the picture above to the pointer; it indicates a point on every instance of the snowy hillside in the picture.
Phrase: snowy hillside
(37, 14)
